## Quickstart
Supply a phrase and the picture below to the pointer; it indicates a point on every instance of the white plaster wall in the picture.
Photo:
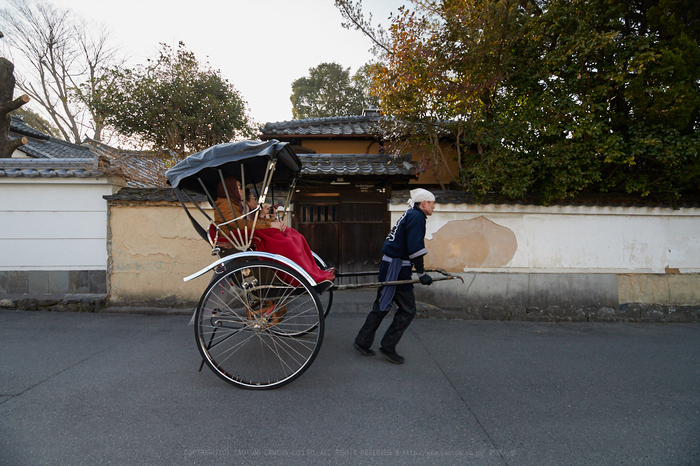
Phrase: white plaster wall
(586, 239)
(54, 223)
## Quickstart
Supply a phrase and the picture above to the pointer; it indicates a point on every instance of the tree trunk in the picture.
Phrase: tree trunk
(7, 88)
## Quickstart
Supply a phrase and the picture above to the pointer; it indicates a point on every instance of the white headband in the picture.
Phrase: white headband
(419, 195)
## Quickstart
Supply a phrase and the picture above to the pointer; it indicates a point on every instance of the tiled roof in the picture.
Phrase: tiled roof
(43, 146)
(353, 164)
(49, 168)
(311, 165)
(149, 194)
(140, 169)
(582, 200)
(17, 125)
(168, 195)
(364, 125)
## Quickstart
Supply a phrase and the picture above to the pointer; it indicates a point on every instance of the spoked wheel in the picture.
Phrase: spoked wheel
(260, 325)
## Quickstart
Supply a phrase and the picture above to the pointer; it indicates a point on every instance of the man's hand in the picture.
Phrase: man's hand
(425, 279)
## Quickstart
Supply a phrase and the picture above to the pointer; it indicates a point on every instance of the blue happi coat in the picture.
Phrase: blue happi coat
(404, 245)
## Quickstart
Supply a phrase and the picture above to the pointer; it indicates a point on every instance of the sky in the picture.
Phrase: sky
(260, 46)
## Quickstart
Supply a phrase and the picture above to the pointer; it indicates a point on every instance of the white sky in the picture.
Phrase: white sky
(260, 46)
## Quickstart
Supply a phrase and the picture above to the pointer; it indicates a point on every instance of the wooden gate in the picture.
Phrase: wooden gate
(346, 228)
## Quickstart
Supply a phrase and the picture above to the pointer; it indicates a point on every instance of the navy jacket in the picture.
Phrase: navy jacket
(406, 241)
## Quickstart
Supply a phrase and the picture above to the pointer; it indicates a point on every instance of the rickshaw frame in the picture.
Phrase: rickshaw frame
(260, 323)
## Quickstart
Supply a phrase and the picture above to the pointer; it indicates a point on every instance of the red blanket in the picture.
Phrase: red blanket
(292, 245)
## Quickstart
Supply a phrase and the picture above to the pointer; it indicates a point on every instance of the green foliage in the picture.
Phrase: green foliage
(173, 103)
(362, 82)
(551, 98)
(330, 91)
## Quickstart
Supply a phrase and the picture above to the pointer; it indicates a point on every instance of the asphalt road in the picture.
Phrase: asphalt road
(124, 389)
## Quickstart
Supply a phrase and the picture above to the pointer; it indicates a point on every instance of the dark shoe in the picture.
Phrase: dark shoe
(392, 356)
(363, 351)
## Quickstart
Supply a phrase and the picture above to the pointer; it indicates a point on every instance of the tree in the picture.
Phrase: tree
(63, 58)
(606, 98)
(439, 68)
(7, 87)
(173, 103)
(550, 98)
(362, 81)
(355, 19)
(330, 91)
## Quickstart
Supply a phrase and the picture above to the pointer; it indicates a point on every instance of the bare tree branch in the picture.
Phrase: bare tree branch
(7, 107)
(62, 58)
(352, 12)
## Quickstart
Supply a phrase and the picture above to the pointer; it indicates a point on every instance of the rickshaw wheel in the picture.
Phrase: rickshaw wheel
(326, 301)
(327, 296)
(259, 325)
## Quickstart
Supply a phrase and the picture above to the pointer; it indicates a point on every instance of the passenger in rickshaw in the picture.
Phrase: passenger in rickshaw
(270, 236)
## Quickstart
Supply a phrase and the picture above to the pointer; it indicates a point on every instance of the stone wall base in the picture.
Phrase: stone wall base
(564, 297)
(54, 302)
(489, 296)
(633, 312)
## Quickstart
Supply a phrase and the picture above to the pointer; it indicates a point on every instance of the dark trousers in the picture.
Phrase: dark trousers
(406, 302)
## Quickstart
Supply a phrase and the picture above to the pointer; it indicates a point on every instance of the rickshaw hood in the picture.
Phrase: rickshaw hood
(253, 155)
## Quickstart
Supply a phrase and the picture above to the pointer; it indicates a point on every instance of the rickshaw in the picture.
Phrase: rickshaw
(260, 322)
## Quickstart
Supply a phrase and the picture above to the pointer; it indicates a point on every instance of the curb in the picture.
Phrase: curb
(151, 311)
(361, 304)
(626, 313)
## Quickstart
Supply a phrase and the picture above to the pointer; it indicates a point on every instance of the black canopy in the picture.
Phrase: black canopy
(228, 158)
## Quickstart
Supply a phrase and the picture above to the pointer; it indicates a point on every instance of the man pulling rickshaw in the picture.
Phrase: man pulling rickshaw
(260, 322)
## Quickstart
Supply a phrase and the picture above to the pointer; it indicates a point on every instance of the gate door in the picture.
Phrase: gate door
(346, 229)
(362, 231)
(318, 220)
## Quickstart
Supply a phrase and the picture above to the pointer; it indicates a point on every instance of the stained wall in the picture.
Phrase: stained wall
(153, 246)
(520, 262)
(575, 261)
